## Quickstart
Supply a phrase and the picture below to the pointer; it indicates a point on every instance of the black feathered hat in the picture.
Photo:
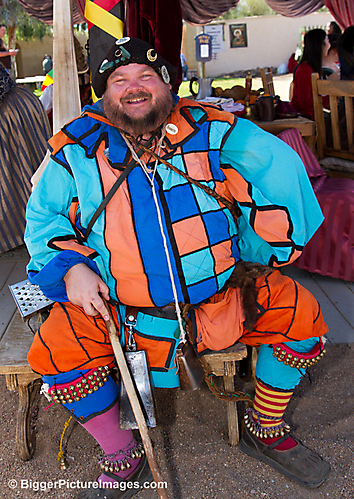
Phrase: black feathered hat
(127, 51)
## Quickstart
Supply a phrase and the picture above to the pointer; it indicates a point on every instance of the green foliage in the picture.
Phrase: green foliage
(10, 12)
(230, 14)
(81, 28)
(30, 28)
(248, 8)
(323, 9)
(13, 14)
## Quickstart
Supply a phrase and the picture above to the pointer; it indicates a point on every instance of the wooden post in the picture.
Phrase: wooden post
(66, 96)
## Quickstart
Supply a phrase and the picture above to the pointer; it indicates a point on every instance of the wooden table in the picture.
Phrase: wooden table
(31, 81)
(306, 127)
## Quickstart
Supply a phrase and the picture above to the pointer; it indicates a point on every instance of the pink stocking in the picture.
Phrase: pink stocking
(114, 442)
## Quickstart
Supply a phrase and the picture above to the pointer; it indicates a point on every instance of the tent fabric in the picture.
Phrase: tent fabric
(295, 8)
(342, 11)
(43, 10)
(203, 11)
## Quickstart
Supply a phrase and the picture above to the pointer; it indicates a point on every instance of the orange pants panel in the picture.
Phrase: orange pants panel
(69, 339)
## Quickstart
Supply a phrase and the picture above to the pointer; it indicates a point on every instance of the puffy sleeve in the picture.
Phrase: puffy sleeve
(52, 237)
(280, 212)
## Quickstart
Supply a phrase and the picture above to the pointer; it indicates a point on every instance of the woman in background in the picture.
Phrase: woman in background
(333, 29)
(330, 63)
(315, 49)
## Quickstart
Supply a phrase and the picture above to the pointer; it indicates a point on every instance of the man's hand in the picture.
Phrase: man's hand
(83, 286)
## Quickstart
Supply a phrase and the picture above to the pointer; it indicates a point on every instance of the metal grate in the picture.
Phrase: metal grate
(29, 298)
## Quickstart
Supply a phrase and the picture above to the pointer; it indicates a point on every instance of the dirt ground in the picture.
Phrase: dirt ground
(191, 445)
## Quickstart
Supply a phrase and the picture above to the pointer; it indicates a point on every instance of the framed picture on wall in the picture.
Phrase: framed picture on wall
(238, 35)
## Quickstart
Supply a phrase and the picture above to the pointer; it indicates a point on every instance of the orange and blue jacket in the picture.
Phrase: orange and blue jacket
(238, 160)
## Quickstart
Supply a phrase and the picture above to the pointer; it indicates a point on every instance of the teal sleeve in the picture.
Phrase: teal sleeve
(48, 214)
(280, 212)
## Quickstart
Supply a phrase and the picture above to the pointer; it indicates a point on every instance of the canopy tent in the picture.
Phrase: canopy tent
(202, 11)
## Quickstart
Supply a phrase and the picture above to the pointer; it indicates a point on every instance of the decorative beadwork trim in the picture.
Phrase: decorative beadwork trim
(254, 426)
(289, 357)
(108, 463)
(80, 387)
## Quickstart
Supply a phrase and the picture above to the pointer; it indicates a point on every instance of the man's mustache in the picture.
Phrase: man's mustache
(136, 95)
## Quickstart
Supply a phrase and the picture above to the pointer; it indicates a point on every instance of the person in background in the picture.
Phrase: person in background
(184, 67)
(5, 53)
(345, 49)
(330, 63)
(316, 46)
(24, 131)
(292, 63)
(47, 64)
(333, 29)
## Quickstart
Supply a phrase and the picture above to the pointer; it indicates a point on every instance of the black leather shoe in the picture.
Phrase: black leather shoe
(299, 463)
(124, 488)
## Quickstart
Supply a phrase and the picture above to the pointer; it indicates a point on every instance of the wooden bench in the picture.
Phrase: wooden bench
(224, 364)
(14, 346)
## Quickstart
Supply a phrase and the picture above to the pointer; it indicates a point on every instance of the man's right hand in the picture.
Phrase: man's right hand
(83, 286)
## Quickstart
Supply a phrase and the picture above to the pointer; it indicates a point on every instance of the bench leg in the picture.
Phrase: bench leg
(253, 365)
(25, 434)
(232, 417)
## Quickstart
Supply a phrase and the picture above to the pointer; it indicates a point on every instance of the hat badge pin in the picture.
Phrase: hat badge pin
(121, 41)
(165, 74)
(151, 56)
(106, 64)
(122, 54)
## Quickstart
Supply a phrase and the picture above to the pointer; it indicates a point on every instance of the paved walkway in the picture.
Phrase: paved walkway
(336, 298)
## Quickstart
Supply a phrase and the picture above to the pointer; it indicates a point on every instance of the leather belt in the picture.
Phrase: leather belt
(167, 312)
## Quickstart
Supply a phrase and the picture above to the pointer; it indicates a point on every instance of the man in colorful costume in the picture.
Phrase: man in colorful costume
(160, 239)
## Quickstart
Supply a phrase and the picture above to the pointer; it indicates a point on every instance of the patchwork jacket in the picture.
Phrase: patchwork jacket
(234, 157)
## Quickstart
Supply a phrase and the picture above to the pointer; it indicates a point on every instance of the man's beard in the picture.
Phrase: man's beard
(158, 113)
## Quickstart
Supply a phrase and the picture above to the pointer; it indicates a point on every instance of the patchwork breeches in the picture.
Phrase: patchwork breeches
(69, 339)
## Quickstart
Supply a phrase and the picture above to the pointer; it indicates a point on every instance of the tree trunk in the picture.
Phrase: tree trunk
(11, 35)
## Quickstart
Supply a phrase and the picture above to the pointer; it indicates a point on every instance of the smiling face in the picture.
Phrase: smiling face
(136, 99)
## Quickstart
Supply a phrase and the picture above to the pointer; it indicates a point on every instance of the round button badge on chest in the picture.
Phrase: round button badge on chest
(171, 129)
